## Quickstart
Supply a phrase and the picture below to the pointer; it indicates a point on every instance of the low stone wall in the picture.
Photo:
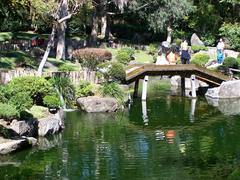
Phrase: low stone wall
(75, 76)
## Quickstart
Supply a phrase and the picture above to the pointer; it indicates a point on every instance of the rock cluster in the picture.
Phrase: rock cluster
(20, 134)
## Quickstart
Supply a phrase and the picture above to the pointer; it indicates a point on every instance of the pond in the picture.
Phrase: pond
(164, 138)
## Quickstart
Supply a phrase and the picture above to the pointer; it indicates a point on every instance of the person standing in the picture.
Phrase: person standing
(185, 56)
(172, 56)
(220, 51)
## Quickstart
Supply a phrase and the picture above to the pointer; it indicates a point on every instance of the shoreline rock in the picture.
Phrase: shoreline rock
(229, 89)
(97, 104)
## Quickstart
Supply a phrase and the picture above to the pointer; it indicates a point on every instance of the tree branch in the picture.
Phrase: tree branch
(64, 18)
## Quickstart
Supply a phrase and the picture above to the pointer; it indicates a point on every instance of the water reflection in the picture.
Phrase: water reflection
(226, 106)
(120, 146)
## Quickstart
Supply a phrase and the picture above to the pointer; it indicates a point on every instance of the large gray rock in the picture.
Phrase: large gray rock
(25, 128)
(97, 104)
(195, 40)
(229, 89)
(10, 145)
(50, 125)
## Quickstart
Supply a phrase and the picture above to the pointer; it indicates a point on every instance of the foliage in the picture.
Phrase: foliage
(125, 55)
(152, 48)
(160, 14)
(8, 111)
(84, 89)
(3, 92)
(232, 33)
(197, 48)
(35, 87)
(91, 57)
(66, 68)
(209, 39)
(65, 88)
(200, 59)
(21, 101)
(52, 100)
(112, 71)
(112, 90)
(230, 62)
(178, 42)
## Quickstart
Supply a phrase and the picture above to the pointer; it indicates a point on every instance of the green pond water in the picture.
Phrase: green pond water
(166, 138)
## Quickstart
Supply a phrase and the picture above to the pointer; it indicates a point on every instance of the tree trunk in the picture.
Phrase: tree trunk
(94, 32)
(47, 51)
(61, 46)
(169, 34)
(61, 31)
(103, 26)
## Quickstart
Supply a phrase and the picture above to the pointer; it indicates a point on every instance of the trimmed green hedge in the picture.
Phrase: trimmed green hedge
(200, 59)
(8, 112)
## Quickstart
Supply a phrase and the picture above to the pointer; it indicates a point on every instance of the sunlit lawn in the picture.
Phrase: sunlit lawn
(140, 56)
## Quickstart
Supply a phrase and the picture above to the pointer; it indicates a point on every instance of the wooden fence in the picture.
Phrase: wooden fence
(74, 76)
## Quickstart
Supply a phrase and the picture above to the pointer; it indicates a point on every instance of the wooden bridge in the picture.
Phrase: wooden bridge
(135, 72)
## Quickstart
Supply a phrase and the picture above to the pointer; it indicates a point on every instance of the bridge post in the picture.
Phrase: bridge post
(193, 86)
(144, 88)
(135, 93)
(183, 85)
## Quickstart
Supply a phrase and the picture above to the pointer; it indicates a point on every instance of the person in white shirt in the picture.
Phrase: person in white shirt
(161, 59)
(220, 51)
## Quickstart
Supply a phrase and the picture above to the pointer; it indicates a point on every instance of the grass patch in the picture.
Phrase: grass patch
(140, 56)
(7, 36)
(13, 59)
(58, 63)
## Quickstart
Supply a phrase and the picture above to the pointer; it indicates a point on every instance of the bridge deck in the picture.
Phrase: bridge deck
(138, 71)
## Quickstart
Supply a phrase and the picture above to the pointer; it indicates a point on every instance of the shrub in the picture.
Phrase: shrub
(35, 87)
(65, 88)
(84, 89)
(230, 62)
(3, 94)
(200, 59)
(197, 48)
(152, 48)
(112, 90)
(232, 33)
(178, 42)
(52, 100)
(112, 71)
(91, 57)
(125, 55)
(8, 112)
(66, 68)
(21, 101)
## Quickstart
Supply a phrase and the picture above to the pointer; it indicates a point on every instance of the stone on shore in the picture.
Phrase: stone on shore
(195, 40)
(51, 125)
(25, 128)
(97, 104)
(229, 89)
(10, 141)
